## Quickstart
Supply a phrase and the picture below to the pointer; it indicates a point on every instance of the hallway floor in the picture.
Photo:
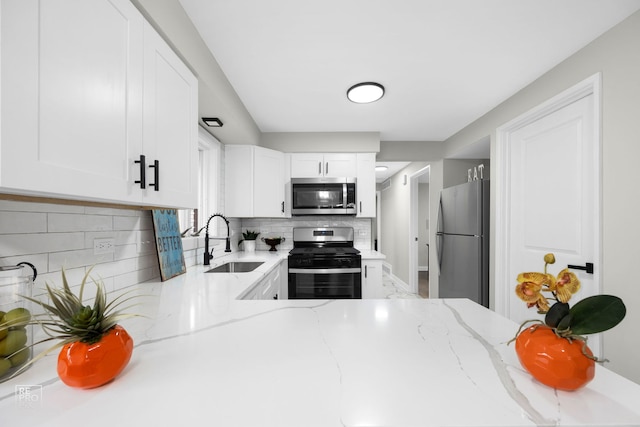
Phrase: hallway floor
(391, 290)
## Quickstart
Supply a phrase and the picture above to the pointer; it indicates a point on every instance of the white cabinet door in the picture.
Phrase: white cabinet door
(254, 182)
(314, 165)
(170, 141)
(283, 292)
(371, 279)
(366, 185)
(238, 181)
(306, 165)
(268, 183)
(71, 97)
(268, 289)
(340, 165)
(87, 88)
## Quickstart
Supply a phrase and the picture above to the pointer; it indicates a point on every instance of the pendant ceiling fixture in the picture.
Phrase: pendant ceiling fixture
(366, 92)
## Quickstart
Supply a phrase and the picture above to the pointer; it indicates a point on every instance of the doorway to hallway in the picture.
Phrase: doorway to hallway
(419, 232)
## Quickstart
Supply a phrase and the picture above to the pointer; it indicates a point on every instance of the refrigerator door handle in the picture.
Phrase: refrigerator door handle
(439, 244)
(440, 223)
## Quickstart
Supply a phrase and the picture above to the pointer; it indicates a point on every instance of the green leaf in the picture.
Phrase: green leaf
(565, 323)
(556, 313)
(596, 314)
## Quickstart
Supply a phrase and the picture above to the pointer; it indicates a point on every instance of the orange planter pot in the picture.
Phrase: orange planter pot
(92, 365)
(554, 361)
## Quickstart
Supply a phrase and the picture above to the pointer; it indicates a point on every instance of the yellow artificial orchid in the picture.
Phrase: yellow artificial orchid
(567, 284)
(531, 286)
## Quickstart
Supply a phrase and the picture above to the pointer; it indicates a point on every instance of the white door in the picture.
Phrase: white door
(551, 189)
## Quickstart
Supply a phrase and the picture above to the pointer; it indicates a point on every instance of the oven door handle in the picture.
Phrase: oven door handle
(324, 270)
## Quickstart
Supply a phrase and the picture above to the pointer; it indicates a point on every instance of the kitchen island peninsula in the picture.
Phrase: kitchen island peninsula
(203, 357)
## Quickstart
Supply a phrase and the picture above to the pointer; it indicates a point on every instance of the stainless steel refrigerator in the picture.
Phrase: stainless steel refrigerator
(462, 242)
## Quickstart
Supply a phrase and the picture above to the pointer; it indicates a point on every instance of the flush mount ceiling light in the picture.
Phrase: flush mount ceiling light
(381, 168)
(213, 122)
(363, 93)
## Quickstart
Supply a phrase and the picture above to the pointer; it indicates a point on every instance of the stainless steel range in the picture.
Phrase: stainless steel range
(324, 264)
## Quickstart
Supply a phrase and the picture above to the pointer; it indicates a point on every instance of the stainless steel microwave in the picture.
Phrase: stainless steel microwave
(323, 196)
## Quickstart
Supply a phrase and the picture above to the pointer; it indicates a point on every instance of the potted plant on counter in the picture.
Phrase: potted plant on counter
(555, 351)
(249, 239)
(95, 349)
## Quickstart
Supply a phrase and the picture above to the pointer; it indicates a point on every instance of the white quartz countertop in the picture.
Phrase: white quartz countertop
(202, 357)
(371, 254)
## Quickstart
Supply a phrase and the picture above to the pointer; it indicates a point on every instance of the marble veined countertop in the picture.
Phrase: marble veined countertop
(204, 358)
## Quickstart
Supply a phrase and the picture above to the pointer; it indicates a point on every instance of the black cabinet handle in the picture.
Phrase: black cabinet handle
(588, 267)
(360, 207)
(156, 175)
(282, 207)
(366, 270)
(143, 171)
(319, 168)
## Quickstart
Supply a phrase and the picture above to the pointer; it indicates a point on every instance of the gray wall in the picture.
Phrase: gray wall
(216, 96)
(616, 55)
(328, 142)
(456, 171)
(395, 224)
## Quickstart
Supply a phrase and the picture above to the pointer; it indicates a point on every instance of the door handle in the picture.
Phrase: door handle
(156, 175)
(143, 171)
(588, 267)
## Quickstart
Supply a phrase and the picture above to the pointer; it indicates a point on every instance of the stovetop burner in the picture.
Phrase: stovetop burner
(323, 242)
(323, 251)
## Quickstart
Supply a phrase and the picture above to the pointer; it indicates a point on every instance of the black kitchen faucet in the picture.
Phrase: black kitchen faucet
(207, 255)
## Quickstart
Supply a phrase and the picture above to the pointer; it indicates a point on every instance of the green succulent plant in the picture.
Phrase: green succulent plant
(67, 319)
(248, 235)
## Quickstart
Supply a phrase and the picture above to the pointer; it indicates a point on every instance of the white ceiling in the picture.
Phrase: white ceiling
(392, 169)
(444, 63)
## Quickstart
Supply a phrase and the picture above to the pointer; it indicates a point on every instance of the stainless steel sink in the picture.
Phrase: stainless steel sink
(236, 267)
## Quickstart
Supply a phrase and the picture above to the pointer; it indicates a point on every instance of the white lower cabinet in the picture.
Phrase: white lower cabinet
(87, 87)
(270, 287)
(371, 278)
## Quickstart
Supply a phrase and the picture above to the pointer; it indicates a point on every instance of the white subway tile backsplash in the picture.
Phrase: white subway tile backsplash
(79, 222)
(22, 222)
(133, 222)
(9, 205)
(92, 210)
(126, 251)
(73, 259)
(53, 237)
(24, 244)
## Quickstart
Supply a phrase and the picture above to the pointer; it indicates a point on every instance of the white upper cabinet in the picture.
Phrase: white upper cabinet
(254, 182)
(170, 132)
(82, 99)
(314, 165)
(366, 185)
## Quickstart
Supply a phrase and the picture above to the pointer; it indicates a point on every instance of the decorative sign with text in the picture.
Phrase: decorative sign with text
(168, 243)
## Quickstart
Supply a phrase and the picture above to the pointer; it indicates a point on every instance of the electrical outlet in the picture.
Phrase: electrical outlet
(103, 246)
